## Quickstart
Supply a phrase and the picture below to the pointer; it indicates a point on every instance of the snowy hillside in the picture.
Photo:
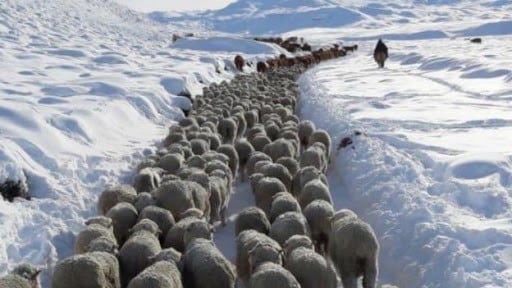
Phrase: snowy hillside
(88, 88)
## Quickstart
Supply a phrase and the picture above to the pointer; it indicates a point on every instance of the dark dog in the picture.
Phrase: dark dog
(380, 54)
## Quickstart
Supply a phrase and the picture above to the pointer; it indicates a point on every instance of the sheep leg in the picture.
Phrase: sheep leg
(349, 280)
(370, 274)
(223, 216)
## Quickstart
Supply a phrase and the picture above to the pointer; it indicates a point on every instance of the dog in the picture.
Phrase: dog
(380, 54)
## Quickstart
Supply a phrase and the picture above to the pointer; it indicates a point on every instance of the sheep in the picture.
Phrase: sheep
(272, 275)
(306, 128)
(135, 255)
(251, 117)
(319, 214)
(353, 249)
(253, 159)
(196, 161)
(161, 274)
(171, 162)
(96, 227)
(199, 146)
(272, 130)
(143, 200)
(264, 190)
(22, 276)
(198, 229)
(218, 165)
(244, 150)
(174, 237)
(239, 63)
(174, 137)
(321, 136)
(111, 196)
(169, 255)
(89, 270)
(260, 141)
(204, 266)
(227, 129)
(256, 129)
(279, 148)
(162, 217)
(283, 202)
(310, 269)
(220, 193)
(104, 244)
(263, 253)
(245, 242)
(241, 123)
(314, 190)
(287, 225)
(290, 163)
(178, 196)
(146, 180)
(261, 67)
(295, 242)
(278, 171)
(305, 175)
(313, 156)
(252, 218)
(124, 216)
(230, 151)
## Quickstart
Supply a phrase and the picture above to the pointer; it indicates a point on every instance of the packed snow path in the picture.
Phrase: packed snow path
(424, 173)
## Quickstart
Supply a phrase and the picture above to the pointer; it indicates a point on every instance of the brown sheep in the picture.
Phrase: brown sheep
(261, 67)
(239, 63)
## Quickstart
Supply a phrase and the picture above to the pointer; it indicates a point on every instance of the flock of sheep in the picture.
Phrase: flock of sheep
(158, 231)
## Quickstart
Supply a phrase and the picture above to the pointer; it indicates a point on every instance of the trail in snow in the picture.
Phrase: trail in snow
(431, 172)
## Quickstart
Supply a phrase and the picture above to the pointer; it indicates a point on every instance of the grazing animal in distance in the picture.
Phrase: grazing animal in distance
(380, 54)
(261, 67)
(239, 63)
(475, 40)
(350, 48)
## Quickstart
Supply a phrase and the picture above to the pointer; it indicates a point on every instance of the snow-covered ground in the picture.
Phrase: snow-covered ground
(88, 87)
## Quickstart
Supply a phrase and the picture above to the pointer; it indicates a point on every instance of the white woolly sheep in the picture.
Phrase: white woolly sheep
(313, 156)
(174, 137)
(245, 242)
(353, 249)
(197, 229)
(277, 171)
(220, 194)
(306, 128)
(272, 275)
(272, 130)
(319, 214)
(204, 266)
(279, 148)
(178, 196)
(96, 227)
(144, 200)
(162, 217)
(169, 255)
(124, 216)
(257, 129)
(264, 191)
(254, 158)
(196, 161)
(199, 146)
(244, 150)
(174, 237)
(146, 180)
(290, 163)
(314, 190)
(227, 129)
(218, 165)
(304, 176)
(171, 162)
(283, 202)
(323, 137)
(136, 253)
(252, 218)
(89, 270)
(295, 242)
(104, 244)
(241, 124)
(263, 253)
(259, 142)
(161, 274)
(288, 224)
(310, 269)
(111, 196)
(230, 151)
(251, 117)
(22, 276)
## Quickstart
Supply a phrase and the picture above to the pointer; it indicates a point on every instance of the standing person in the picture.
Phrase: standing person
(380, 54)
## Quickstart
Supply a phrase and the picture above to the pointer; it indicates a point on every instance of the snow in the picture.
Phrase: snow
(89, 87)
